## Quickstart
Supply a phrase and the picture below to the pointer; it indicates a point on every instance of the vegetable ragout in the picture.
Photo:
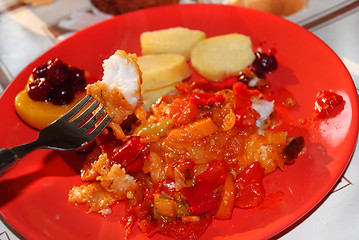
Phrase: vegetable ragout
(201, 151)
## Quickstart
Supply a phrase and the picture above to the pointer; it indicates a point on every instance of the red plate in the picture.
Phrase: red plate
(34, 194)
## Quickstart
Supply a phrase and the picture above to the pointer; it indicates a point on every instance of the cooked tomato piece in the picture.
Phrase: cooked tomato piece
(107, 143)
(205, 98)
(137, 164)
(243, 95)
(201, 198)
(246, 117)
(178, 229)
(215, 174)
(249, 186)
(326, 103)
(129, 152)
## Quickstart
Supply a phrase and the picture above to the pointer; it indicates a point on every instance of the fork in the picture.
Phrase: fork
(64, 134)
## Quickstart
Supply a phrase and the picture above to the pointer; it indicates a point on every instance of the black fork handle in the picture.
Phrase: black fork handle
(9, 157)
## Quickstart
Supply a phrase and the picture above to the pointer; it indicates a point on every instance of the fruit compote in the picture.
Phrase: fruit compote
(52, 89)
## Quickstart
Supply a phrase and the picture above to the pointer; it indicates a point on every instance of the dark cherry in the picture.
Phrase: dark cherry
(61, 94)
(244, 78)
(40, 71)
(57, 82)
(39, 89)
(265, 62)
(57, 72)
(79, 86)
(77, 79)
(293, 149)
(258, 71)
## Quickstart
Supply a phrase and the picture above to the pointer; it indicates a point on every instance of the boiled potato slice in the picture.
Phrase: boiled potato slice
(222, 56)
(151, 96)
(172, 40)
(161, 70)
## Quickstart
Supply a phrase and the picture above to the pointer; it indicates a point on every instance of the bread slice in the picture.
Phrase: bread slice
(278, 7)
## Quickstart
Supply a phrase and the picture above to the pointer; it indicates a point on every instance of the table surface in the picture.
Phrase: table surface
(26, 32)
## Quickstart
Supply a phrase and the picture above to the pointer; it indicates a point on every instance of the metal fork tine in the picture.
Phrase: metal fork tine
(77, 108)
(86, 126)
(100, 127)
(86, 113)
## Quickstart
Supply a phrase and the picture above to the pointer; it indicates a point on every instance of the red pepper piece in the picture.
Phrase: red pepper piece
(185, 164)
(184, 167)
(205, 98)
(243, 95)
(107, 143)
(206, 85)
(140, 212)
(249, 186)
(246, 117)
(181, 230)
(188, 114)
(200, 197)
(210, 86)
(137, 164)
(184, 88)
(215, 174)
(239, 113)
(166, 186)
(325, 104)
(128, 223)
(202, 84)
(129, 152)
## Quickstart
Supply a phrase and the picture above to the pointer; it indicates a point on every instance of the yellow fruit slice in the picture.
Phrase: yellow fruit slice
(40, 114)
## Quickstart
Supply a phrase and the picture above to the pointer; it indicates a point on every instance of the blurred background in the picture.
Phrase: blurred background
(30, 27)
